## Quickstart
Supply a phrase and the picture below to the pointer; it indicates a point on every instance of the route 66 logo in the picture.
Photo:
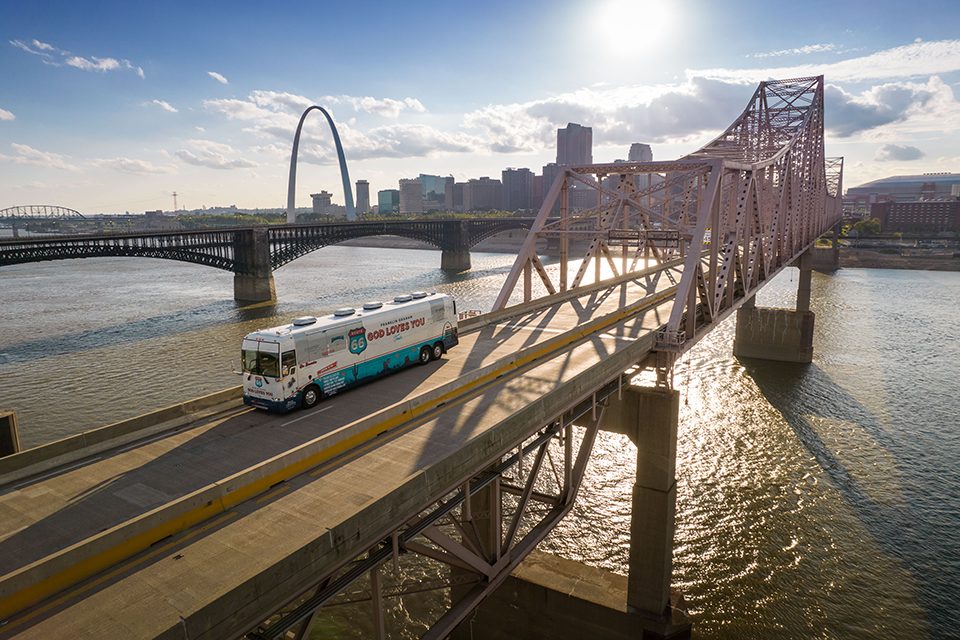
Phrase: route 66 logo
(358, 340)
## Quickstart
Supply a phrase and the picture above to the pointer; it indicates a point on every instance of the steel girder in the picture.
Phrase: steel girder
(213, 248)
(527, 490)
(217, 247)
(736, 211)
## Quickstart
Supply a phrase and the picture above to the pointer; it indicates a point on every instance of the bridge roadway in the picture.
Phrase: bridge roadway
(204, 531)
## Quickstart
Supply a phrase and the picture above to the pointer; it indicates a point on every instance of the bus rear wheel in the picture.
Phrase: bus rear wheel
(437, 351)
(424, 355)
(311, 396)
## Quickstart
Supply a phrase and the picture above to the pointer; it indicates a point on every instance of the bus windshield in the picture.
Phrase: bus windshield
(261, 363)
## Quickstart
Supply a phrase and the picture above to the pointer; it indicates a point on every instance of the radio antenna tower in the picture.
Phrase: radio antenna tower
(174, 201)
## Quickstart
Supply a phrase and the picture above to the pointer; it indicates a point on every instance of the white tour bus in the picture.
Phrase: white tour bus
(297, 364)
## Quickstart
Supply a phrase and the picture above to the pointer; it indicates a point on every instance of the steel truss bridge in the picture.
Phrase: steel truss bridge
(38, 212)
(243, 524)
(241, 250)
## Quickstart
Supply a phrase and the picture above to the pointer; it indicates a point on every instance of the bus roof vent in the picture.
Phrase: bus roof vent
(419, 294)
(373, 304)
(304, 321)
(404, 298)
(344, 311)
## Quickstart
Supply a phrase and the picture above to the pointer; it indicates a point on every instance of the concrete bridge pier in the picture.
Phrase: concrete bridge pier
(455, 254)
(549, 597)
(783, 335)
(253, 281)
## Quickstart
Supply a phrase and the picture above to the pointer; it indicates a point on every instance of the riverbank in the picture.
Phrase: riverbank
(850, 258)
(506, 242)
(873, 259)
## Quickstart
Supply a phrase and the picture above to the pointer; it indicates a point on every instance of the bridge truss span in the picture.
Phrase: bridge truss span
(736, 212)
(212, 248)
(39, 212)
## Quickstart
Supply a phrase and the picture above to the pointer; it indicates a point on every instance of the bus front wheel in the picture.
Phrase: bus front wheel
(311, 396)
(437, 351)
(424, 355)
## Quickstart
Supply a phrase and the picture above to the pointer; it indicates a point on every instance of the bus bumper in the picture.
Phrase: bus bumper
(276, 406)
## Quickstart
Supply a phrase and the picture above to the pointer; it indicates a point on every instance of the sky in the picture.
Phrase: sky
(113, 106)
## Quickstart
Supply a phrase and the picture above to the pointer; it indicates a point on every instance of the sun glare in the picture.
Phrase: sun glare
(634, 26)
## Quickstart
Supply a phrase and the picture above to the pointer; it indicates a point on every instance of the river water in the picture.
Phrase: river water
(818, 501)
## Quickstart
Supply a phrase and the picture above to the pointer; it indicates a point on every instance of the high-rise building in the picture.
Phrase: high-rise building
(321, 202)
(411, 196)
(574, 145)
(363, 197)
(448, 188)
(517, 189)
(388, 201)
(550, 173)
(432, 192)
(482, 194)
(640, 152)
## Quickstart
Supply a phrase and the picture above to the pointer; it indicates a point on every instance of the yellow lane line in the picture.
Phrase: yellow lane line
(136, 562)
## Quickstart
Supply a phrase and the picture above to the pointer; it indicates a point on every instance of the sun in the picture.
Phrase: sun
(634, 26)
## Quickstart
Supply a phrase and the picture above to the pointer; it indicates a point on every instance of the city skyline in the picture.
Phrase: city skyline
(112, 107)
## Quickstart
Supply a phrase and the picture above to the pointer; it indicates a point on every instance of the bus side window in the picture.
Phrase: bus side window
(288, 362)
(317, 345)
(337, 343)
(436, 311)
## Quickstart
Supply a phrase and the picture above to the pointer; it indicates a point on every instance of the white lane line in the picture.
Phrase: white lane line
(307, 416)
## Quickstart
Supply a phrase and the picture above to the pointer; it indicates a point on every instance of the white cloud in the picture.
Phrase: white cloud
(93, 64)
(57, 57)
(163, 104)
(618, 115)
(6, 115)
(218, 77)
(130, 165)
(26, 154)
(914, 59)
(804, 50)
(386, 107)
(214, 155)
(922, 105)
(898, 152)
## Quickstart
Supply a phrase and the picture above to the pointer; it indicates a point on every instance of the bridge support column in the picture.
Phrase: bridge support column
(783, 335)
(828, 260)
(549, 597)
(9, 433)
(253, 281)
(456, 246)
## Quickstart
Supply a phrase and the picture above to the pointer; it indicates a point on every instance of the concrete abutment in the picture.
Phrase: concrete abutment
(253, 280)
(783, 335)
(9, 433)
(455, 260)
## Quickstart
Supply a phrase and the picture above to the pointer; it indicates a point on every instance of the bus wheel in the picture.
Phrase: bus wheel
(437, 351)
(311, 396)
(424, 355)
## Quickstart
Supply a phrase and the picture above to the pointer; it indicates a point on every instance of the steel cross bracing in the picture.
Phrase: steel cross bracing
(736, 212)
(480, 529)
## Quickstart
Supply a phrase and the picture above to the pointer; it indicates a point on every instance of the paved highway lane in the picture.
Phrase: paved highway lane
(123, 485)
